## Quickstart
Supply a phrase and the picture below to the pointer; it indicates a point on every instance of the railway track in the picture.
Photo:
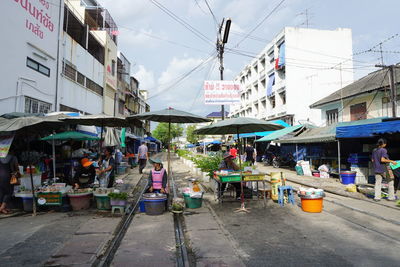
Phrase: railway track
(182, 256)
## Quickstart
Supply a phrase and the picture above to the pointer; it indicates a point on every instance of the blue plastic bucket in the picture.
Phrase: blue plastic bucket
(142, 207)
(348, 177)
(154, 206)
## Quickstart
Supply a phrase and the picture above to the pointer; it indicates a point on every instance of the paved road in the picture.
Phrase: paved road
(287, 236)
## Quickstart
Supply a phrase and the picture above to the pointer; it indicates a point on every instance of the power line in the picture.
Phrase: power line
(212, 13)
(163, 39)
(182, 22)
(185, 76)
(261, 22)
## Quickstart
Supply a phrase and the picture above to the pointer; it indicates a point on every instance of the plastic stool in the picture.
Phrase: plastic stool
(281, 194)
(120, 208)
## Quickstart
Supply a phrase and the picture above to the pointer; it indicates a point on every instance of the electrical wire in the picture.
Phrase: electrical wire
(261, 22)
(212, 13)
(182, 22)
(163, 39)
(185, 76)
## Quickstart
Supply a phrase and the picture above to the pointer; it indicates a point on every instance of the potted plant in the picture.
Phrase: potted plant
(177, 206)
(118, 199)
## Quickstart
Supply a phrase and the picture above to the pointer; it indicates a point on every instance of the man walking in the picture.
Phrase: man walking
(380, 160)
(250, 154)
(143, 156)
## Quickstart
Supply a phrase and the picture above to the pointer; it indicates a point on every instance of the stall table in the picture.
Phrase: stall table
(230, 179)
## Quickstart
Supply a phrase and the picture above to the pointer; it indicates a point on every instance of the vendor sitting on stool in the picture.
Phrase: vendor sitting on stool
(228, 164)
(85, 175)
(158, 177)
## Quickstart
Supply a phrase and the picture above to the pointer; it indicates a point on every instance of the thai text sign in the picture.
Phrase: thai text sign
(221, 92)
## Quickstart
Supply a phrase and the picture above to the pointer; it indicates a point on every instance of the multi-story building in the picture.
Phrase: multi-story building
(298, 67)
(29, 54)
(123, 85)
(88, 82)
(367, 98)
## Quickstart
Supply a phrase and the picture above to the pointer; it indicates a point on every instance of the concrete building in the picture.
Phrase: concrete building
(298, 67)
(88, 82)
(366, 98)
(29, 48)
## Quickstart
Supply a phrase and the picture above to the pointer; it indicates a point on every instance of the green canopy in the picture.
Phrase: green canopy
(280, 133)
(70, 136)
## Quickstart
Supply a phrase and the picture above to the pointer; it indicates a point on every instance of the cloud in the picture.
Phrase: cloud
(186, 95)
(145, 78)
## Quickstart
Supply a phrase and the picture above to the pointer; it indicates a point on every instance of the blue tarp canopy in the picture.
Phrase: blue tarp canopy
(368, 130)
(279, 133)
(151, 139)
(190, 146)
(262, 134)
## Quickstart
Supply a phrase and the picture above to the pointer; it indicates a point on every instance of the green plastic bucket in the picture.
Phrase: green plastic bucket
(192, 203)
(103, 203)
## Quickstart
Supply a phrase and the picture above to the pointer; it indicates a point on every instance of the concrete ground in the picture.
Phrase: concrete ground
(56, 238)
(349, 232)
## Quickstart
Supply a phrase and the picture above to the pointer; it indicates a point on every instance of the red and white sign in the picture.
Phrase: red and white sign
(221, 92)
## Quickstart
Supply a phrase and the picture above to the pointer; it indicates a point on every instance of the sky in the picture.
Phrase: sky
(162, 50)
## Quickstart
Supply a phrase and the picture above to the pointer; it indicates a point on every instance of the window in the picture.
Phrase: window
(36, 106)
(91, 85)
(358, 111)
(30, 63)
(272, 101)
(332, 116)
(283, 97)
(113, 67)
(80, 78)
(69, 71)
(121, 107)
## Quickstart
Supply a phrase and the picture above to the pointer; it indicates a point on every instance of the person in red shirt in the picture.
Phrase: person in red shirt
(233, 152)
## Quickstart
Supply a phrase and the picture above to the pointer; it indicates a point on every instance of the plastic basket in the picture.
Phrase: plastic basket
(193, 203)
(49, 198)
(103, 203)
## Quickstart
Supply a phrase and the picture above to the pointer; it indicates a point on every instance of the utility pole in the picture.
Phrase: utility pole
(222, 39)
(393, 91)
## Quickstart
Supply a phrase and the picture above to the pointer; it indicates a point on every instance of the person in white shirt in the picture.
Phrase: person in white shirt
(143, 156)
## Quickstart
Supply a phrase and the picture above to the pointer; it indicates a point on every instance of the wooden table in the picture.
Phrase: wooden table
(246, 178)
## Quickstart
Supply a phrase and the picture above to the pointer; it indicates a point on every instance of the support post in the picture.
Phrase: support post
(338, 146)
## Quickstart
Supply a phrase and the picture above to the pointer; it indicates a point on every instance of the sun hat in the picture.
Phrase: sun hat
(86, 162)
(156, 160)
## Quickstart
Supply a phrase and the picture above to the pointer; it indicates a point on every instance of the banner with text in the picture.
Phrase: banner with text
(221, 92)
(5, 143)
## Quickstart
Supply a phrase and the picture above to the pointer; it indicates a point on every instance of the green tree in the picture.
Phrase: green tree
(161, 131)
(190, 136)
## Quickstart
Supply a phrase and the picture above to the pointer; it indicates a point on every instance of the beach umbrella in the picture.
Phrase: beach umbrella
(30, 125)
(238, 126)
(169, 115)
(102, 121)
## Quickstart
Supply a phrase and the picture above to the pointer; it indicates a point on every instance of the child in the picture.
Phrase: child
(158, 177)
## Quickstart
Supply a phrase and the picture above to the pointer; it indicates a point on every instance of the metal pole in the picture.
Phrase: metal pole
(169, 150)
(393, 91)
(54, 159)
(338, 146)
(297, 154)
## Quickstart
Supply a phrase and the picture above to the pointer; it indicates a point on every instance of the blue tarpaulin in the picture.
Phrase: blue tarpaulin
(368, 130)
(281, 61)
(271, 82)
(262, 134)
(151, 139)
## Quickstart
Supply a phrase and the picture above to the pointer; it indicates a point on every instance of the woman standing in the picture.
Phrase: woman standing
(8, 165)
(380, 160)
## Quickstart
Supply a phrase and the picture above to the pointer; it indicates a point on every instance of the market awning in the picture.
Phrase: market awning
(280, 133)
(151, 139)
(325, 134)
(262, 134)
(368, 130)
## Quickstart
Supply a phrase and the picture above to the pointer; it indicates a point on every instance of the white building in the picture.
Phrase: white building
(297, 68)
(28, 72)
(89, 59)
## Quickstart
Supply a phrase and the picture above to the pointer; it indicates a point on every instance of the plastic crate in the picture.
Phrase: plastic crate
(229, 178)
(51, 198)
